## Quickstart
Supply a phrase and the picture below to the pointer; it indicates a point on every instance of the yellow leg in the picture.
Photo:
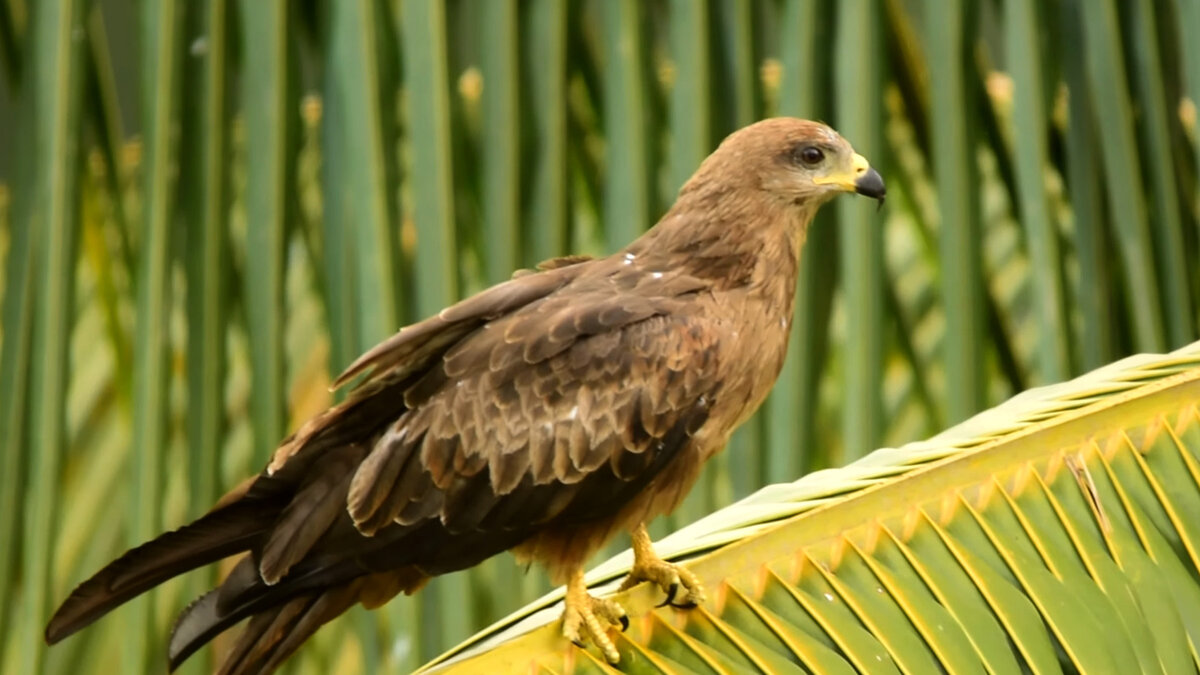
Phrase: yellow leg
(647, 566)
(588, 618)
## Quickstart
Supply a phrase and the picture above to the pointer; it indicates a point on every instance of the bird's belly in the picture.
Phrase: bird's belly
(560, 550)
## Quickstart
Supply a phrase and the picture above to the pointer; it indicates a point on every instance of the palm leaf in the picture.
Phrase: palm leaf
(1053, 532)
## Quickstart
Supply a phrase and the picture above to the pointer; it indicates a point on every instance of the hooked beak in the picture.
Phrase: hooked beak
(863, 179)
(869, 183)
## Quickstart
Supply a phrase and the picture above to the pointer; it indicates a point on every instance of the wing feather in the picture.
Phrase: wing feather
(369, 489)
(541, 450)
(507, 469)
(411, 349)
(310, 513)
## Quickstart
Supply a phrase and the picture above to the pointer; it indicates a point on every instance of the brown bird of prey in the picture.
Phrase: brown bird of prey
(542, 416)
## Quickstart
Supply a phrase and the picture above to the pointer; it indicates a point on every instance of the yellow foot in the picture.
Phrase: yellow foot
(671, 578)
(587, 618)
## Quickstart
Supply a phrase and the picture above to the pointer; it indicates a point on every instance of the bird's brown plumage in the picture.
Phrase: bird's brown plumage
(541, 415)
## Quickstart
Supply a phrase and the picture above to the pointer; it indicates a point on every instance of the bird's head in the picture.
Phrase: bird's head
(800, 161)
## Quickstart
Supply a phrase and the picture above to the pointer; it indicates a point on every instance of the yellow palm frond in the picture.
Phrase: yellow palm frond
(1058, 530)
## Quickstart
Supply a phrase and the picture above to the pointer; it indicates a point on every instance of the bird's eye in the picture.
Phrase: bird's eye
(810, 155)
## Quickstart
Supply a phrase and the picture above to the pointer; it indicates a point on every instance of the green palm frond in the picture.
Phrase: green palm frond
(1055, 531)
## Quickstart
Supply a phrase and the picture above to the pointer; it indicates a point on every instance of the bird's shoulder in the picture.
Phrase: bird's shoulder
(570, 297)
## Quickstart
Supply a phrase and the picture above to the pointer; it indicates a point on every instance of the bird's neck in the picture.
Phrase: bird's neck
(737, 243)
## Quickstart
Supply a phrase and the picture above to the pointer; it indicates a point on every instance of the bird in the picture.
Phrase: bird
(542, 416)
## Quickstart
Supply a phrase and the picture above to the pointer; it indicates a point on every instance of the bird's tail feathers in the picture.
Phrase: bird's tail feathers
(283, 615)
(244, 594)
(219, 534)
(272, 636)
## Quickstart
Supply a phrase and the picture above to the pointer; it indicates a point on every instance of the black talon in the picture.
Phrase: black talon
(671, 591)
(684, 605)
(578, 643)
(624, 623)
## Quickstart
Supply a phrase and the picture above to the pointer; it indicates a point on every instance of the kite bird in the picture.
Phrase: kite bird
(542, 416)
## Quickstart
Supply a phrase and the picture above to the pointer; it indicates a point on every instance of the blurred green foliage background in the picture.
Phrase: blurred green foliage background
(208, 207)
